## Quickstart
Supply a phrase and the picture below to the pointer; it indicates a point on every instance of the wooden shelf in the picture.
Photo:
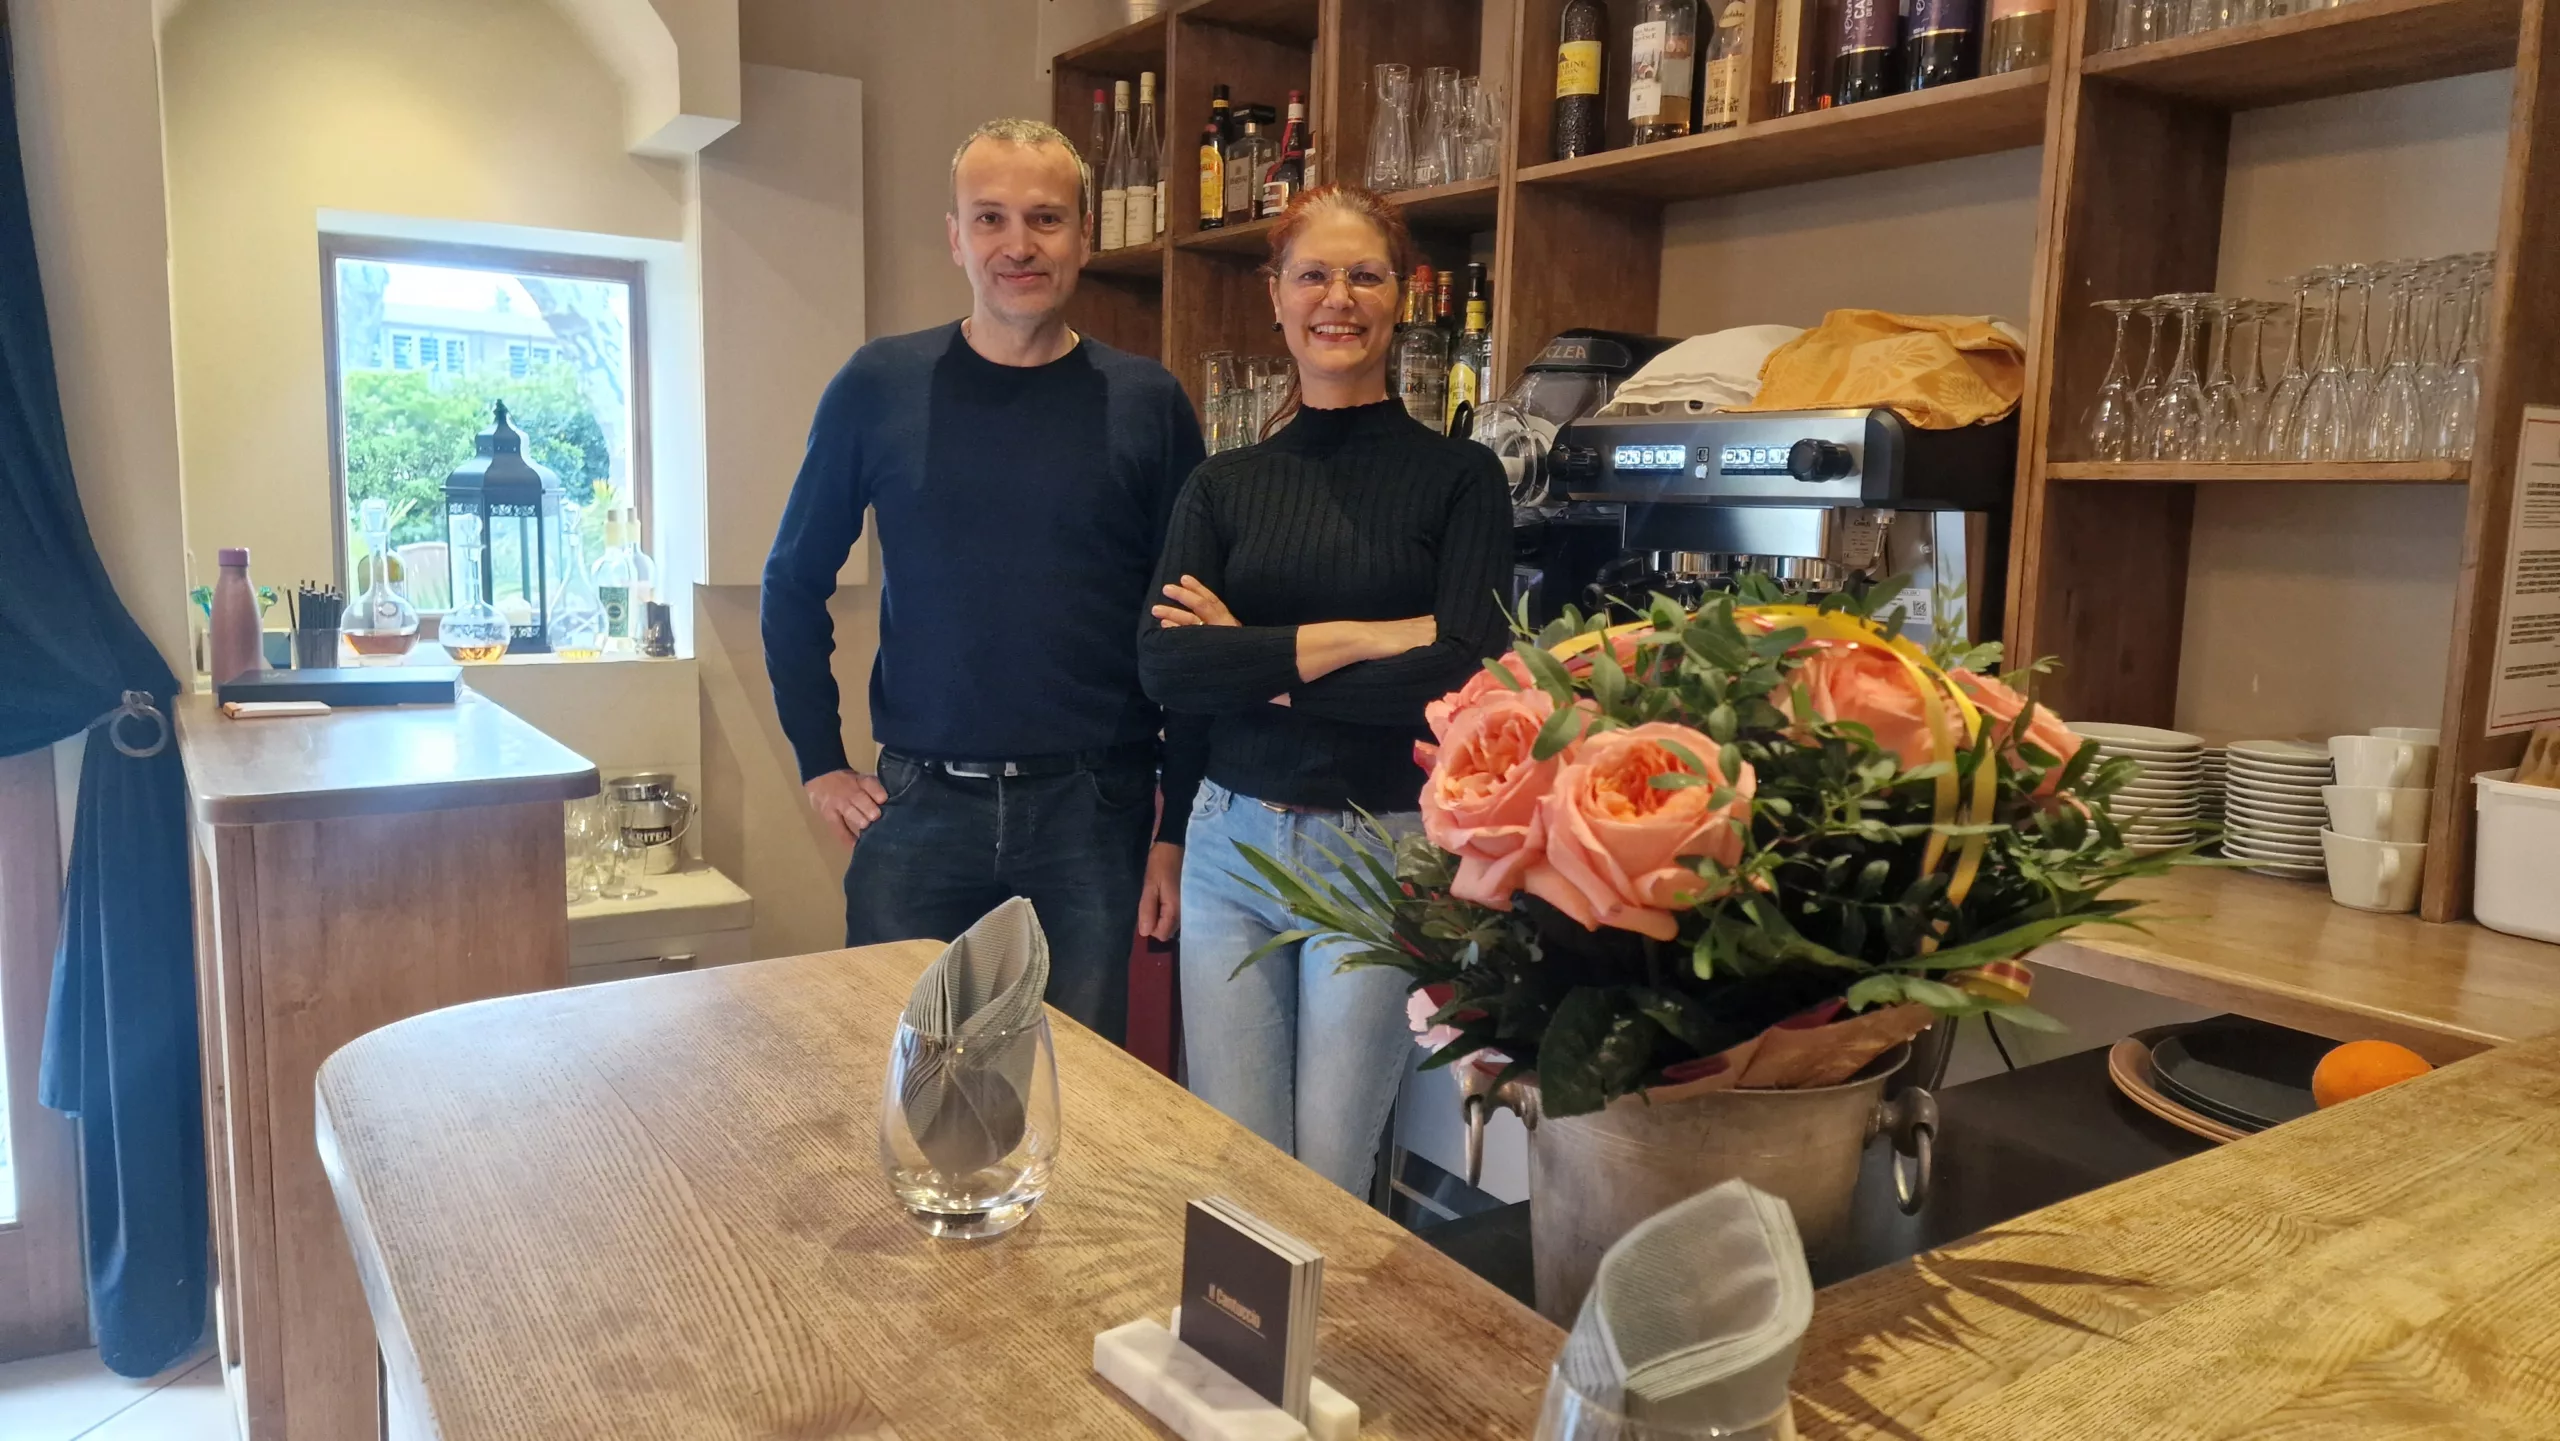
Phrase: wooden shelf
(1123, 52)
(2282, 951)
(2326, 472)
(1292, 21)
(1999, 112)
(2362, 45)
(1248, 238)
(1147, 259)
(1468, 206)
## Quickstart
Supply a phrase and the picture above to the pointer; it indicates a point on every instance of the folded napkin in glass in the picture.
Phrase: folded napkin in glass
(1690, 1328)
(973, 1018)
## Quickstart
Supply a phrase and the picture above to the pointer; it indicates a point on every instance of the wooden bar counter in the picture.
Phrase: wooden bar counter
(351, 869)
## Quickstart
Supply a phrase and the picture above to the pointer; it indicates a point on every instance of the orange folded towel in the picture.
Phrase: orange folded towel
(1936, 371)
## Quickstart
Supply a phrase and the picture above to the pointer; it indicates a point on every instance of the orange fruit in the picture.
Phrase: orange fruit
(2361, 1067)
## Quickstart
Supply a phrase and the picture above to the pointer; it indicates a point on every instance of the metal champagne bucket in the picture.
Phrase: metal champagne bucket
(654, 816)
(1593, 1177)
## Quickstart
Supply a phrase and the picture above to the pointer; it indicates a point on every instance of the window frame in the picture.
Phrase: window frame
(337, 246)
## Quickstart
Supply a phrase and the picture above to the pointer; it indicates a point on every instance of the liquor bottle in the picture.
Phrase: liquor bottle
(1251, 154)
(1662, 70)
(1145, 159)
(1115, 171)
(1471, 358)
(1940, 50)
(1785, 93)
(2020, 36)
(574, 629)
(1862, 66)
(1287, 174)
(1097, 154)
(1213, 162)
(1422, 358)
(626, 581)
(1721, 107)
(1445, 314)
(1579, 126)
(381, 625)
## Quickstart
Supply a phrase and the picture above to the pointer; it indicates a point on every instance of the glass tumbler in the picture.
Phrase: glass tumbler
(1571, 1416)
(969, 1128)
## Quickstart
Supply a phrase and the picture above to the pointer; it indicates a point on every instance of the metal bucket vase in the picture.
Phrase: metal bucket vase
(1593, 1177)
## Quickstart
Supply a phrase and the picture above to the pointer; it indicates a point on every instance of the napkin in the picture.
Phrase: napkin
(1937, 371)
(972, 1047)
(1717, 371)
(1695, 1315)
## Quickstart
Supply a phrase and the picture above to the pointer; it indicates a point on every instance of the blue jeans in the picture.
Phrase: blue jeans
(1307, 1057)
(946, 851)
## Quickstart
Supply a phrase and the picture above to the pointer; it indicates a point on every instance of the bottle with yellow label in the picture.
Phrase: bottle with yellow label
(1579, 127)
(1214, 139)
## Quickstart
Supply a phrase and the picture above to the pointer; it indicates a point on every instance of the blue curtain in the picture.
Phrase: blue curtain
(120, 1050)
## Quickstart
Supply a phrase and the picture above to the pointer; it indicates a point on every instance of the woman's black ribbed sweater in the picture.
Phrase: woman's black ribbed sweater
(1353, 514)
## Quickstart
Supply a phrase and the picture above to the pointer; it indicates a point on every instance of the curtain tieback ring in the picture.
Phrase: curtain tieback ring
(137, 706)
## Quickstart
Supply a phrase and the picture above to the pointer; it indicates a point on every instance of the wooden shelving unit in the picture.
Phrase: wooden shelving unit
(2135, 145)
(2181, 472)
(1133, 260)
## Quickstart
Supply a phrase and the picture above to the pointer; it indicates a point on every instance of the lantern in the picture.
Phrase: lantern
(518, 506)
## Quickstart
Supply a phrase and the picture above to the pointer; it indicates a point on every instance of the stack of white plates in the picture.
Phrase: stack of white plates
(2272, 810)
(2217, 775)
(2161, 806)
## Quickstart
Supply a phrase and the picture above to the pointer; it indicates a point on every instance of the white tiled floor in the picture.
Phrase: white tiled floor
(73, 1398)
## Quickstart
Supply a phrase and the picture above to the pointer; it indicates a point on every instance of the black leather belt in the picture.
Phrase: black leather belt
(1062, 763)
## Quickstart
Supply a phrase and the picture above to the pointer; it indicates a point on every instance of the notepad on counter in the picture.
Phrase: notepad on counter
(1250, 1292)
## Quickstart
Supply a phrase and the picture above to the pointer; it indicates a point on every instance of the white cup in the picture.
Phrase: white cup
(2373, 875)
(2369, 813)
(2423, 735)
(2382, 762)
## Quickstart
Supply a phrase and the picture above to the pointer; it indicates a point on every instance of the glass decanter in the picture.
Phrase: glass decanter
(381, 626)
(575, 628)
(473, 632)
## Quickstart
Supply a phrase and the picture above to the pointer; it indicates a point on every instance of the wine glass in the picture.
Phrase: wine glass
(2222, 411)
(2246, 438)
(1391, 129)
(2360, 374)
(2390, 426)
(2458, 411)
(2146, 391)
(2176, 419)
(2275, 432)
(2319, 422)
(2110, 421)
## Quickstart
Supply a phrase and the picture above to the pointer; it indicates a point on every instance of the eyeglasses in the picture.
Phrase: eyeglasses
(1363, 279)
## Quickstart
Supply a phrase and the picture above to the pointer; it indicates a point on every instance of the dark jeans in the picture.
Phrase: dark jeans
(946, 851)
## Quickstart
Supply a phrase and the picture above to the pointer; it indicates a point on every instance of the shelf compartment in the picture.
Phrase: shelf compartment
(1291, 21)
(1137, 260)
(1122, 53)
(1466, 207)
(2320, 472)
(1977, 117)
(1250, 238)
(2362, 45)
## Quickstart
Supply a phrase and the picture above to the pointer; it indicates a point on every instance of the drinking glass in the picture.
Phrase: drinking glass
(2457, 411)
(619, 863)
(2285, 401)
(2431, 346)
(2318, 423)
(2390, 426)
(2222, 413)
(1484, 154)
(1431, 152)
(582, 828)
(2246, 438)
(2110, 423)
(2176, 418)
(1465, 135)
(1391, 129)
(2360, 374)
(969, 1130)
(1569, 1415)
(1217, 382)
(2146, 391)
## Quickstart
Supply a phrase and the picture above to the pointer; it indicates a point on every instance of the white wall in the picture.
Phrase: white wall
(280, 109)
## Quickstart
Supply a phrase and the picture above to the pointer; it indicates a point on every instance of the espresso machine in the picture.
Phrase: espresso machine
(1812, 499)
(1559, 543)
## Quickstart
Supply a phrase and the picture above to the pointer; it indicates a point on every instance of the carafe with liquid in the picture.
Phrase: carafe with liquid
(381, 626)
(473, 632)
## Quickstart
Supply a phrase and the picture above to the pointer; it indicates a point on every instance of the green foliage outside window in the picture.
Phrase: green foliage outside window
(407, 430)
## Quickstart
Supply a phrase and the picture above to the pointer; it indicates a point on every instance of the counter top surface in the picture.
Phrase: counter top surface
(373, 760)
(2282, 951)
(655, 1209)
(2390, 1267)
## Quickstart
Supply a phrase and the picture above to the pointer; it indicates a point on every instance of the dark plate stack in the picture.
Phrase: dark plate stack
(2222, 1078)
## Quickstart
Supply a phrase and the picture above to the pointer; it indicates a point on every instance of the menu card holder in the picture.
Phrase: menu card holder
(1198, 1402)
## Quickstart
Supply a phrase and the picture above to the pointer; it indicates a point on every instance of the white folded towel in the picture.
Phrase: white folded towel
(1704, 372)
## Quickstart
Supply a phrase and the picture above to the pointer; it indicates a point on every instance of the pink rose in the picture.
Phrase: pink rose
(1481, 803)
(1614, 841)
(1438, 714)
(2044, 730)
(1869, 685)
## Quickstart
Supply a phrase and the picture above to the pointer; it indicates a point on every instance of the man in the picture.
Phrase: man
(1022, 475)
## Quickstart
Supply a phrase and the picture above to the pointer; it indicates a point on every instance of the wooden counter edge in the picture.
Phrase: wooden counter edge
(554, 773)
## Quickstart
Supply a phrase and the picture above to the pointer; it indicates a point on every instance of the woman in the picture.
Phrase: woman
(1319, 589)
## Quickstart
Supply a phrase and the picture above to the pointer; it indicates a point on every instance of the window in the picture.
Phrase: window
(424, 339)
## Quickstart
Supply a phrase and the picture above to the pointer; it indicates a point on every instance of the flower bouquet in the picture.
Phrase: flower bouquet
(1751, 846)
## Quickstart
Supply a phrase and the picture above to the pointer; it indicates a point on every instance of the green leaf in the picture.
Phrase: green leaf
(2029, 1018)
(1882, 989)
(1722, 724)
(1502, 673)
(1550, 673)
(1569, 1082)
(1676, 781)
(1936, 995)
(1561, 730)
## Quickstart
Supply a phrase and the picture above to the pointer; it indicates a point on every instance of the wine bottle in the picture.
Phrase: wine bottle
(1288, 172)
(1579, 126)
(1097, 154)
(1862, 68)
(2019, 37)
(1470, 358)
(1115, 172)
(1213, 162)
(1721, 106)
(1662, 70)
(1786, 92)
(1940, 50)
(1144, 163)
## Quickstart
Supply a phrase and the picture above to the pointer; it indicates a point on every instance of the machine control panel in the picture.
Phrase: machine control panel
(1815, 461)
